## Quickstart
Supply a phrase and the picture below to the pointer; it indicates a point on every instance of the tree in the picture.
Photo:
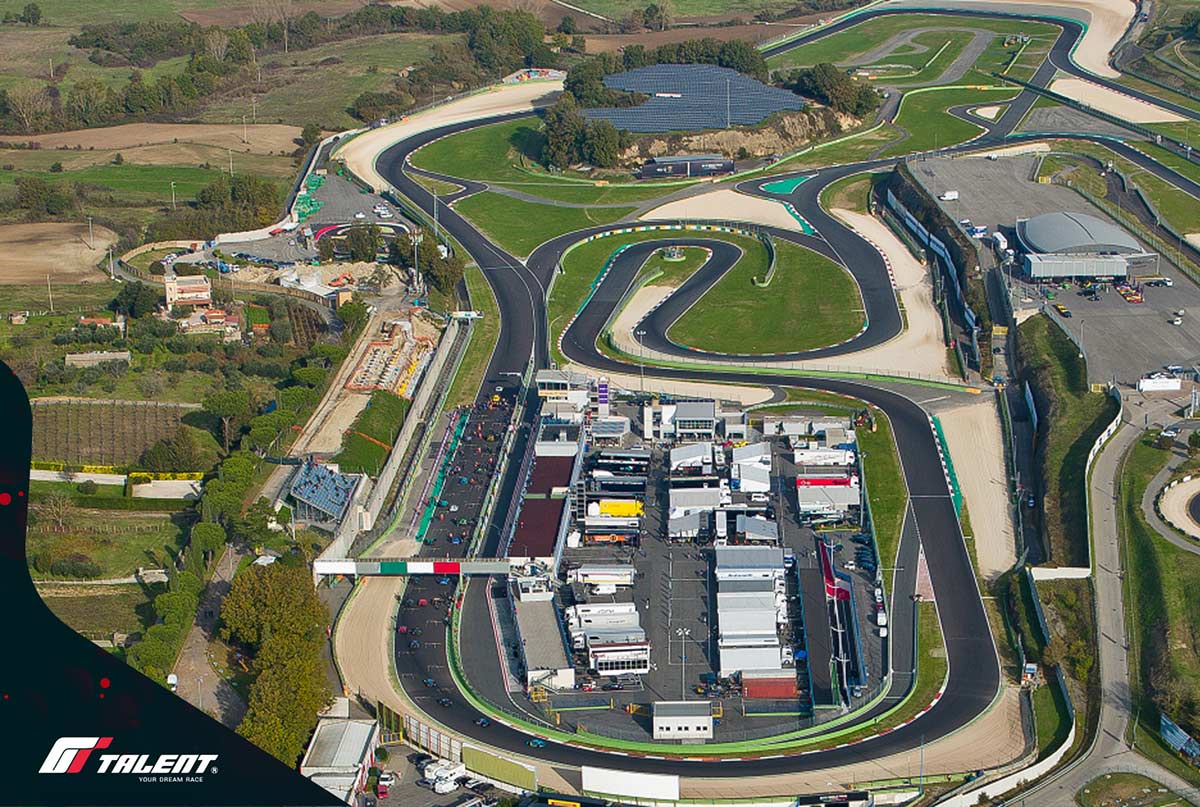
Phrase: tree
(216, 44)
(310, 134)
(354, 314)
(228, 406)
(30, 105)
(58, 508)
(31, 14)
(90, 102)
(1194, 443)
(325, 250)
(567, 25)
(602, 144)
(364, 243)
(564, 125)
(275, 600)
(177, 453)
(135, 300)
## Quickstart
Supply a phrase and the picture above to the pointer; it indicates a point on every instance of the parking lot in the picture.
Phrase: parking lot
(1122, 341)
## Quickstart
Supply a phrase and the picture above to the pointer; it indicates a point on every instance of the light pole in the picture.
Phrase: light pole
(254, 108)
(642, 358)
(91, 234)
(245, 138)
(684, 634)
(172, 196)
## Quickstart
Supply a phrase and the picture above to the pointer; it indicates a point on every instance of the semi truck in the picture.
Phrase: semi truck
(999, 241)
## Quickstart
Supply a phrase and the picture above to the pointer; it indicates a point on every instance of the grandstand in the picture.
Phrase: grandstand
(688, 97)
(320, 493)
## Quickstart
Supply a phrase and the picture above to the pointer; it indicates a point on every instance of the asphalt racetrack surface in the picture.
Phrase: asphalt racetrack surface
(521, 289)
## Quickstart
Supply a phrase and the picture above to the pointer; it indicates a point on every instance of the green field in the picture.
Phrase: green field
(97, 611)
(845, 46)
(1163, 606)
(506, 154)
(617, 9)
(137, 183)
(519, 226)
(380, 421)
(1075, 417)
(484, 334)
(817, 299)
(1171, 159)
(923, 115)
(116, 541)
(303, 90)
(1050, 713)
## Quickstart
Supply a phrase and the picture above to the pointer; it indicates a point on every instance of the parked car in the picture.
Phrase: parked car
(387, 778)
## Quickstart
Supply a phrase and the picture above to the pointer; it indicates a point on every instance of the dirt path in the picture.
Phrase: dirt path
(199, 684)
(977, 450)
(261, 138)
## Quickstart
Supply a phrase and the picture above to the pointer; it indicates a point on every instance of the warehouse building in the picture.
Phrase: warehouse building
(193, 290)
(1065, 245)
(682, 720)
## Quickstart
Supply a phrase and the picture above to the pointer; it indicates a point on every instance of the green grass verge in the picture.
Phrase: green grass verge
(923, 115)
(1128, 790)
(1163, 610)
(1074, 417)
(381, 420)
(136, 183)
(887, 494)
(483, 341)
(816, 297)
(850, 193)
(1050, 714)
(519, 226)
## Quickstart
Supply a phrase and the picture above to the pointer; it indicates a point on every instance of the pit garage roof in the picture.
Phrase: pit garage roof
(1075, 233)
(682, 709)
(541, 635)
(749, 557)
(736, 659)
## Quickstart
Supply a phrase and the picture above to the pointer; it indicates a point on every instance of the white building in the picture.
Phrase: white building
(619, 658)
(756, 529)
(682, 720)
(828, 500)
(823, 456)
(753, 454)
(748, 562)
(753, 478)
(340, 754)
(684, 501)
(187, 290)
(691, 459)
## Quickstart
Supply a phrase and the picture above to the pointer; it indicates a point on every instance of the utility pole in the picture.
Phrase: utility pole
(642, 358)
(91, 234)
(245, 138)
(254, 108)
(112, 274)
(172, 196)
(50, 293)
(231, 163)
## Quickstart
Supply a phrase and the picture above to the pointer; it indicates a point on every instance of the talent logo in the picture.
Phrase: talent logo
(70, 754)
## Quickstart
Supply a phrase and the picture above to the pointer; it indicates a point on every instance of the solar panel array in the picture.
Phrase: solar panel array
(687, 97)
(323, 489)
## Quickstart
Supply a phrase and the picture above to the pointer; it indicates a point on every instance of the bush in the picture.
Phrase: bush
(75, 564)
(87, 487)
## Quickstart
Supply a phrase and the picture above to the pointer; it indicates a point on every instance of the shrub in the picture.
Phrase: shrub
(75, 564)
(87, 487)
